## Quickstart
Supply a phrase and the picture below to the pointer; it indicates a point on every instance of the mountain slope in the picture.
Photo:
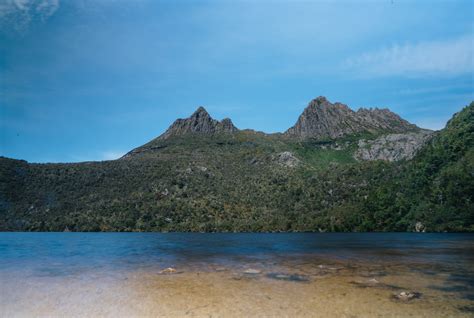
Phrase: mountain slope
(200, 123)
(202, 177)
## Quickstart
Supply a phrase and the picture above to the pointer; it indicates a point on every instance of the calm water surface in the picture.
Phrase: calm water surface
(36, 267)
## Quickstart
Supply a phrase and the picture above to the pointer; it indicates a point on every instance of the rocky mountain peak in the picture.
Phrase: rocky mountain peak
(227, 125)
(200, 122)
(319, 100)
(200, 112)
(323, 119)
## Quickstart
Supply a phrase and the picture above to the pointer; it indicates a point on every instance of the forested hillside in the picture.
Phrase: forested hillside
(225, 179)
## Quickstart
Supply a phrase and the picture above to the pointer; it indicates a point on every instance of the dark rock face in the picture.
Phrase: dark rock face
(200, 122)
(322, 119)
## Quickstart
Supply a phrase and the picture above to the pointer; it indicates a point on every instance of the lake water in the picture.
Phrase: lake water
(285, 274)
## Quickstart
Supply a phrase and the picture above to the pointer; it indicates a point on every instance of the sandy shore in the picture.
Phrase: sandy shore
(306, 290)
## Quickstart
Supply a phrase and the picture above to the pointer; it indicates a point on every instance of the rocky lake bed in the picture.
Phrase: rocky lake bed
(235, 275)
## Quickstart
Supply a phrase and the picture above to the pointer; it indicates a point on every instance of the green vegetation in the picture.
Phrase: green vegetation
(236, 183)
(438, 185)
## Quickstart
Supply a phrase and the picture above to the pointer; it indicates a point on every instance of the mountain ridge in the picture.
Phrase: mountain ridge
(321, 119)
(247, 181)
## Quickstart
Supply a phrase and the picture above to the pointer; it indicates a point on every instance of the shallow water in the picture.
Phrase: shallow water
(248, 274)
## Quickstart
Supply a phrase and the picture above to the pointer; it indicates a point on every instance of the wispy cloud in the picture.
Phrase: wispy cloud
(17, 15)
(93, 156)
(433, 89)
(111, 155)
(449, 57)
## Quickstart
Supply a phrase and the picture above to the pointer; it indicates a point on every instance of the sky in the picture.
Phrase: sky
(85, 80)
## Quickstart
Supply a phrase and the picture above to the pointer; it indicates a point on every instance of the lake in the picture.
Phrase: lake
(237, 274)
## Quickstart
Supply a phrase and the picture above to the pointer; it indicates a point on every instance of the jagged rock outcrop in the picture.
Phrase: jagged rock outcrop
(200, 122)
(392, 147)
(286, 159)
(323, 119)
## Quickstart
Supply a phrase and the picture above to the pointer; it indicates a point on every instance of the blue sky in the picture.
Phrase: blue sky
(89, 80)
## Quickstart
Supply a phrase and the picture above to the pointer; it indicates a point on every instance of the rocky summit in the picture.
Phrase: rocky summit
(200, 122)
(323, 119)
(335, 170)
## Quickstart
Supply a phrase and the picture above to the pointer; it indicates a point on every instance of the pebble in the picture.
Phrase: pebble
(169, 270)
(252, 271)
(288, 277)
(407, 296)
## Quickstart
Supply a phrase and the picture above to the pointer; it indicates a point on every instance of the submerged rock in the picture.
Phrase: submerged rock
(169, 270)
(466, 309)
(252, 271)
(406, 296)
(374, 283)
(288, 277)
(248, 274)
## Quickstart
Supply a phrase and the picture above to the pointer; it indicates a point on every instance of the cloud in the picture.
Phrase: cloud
(111, 155)
(446, 58)
(93, 156)
(17, 15)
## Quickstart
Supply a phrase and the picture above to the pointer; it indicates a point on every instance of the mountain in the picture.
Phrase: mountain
(200, 122)
(322, 119)
(373, 174)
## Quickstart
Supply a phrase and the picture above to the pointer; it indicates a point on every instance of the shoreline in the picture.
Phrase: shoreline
(306, 290)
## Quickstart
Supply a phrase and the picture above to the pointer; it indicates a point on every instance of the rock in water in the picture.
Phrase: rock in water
(288, 277)
(169, 270)
(252, 271)
(419, 227)
(406, 296)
